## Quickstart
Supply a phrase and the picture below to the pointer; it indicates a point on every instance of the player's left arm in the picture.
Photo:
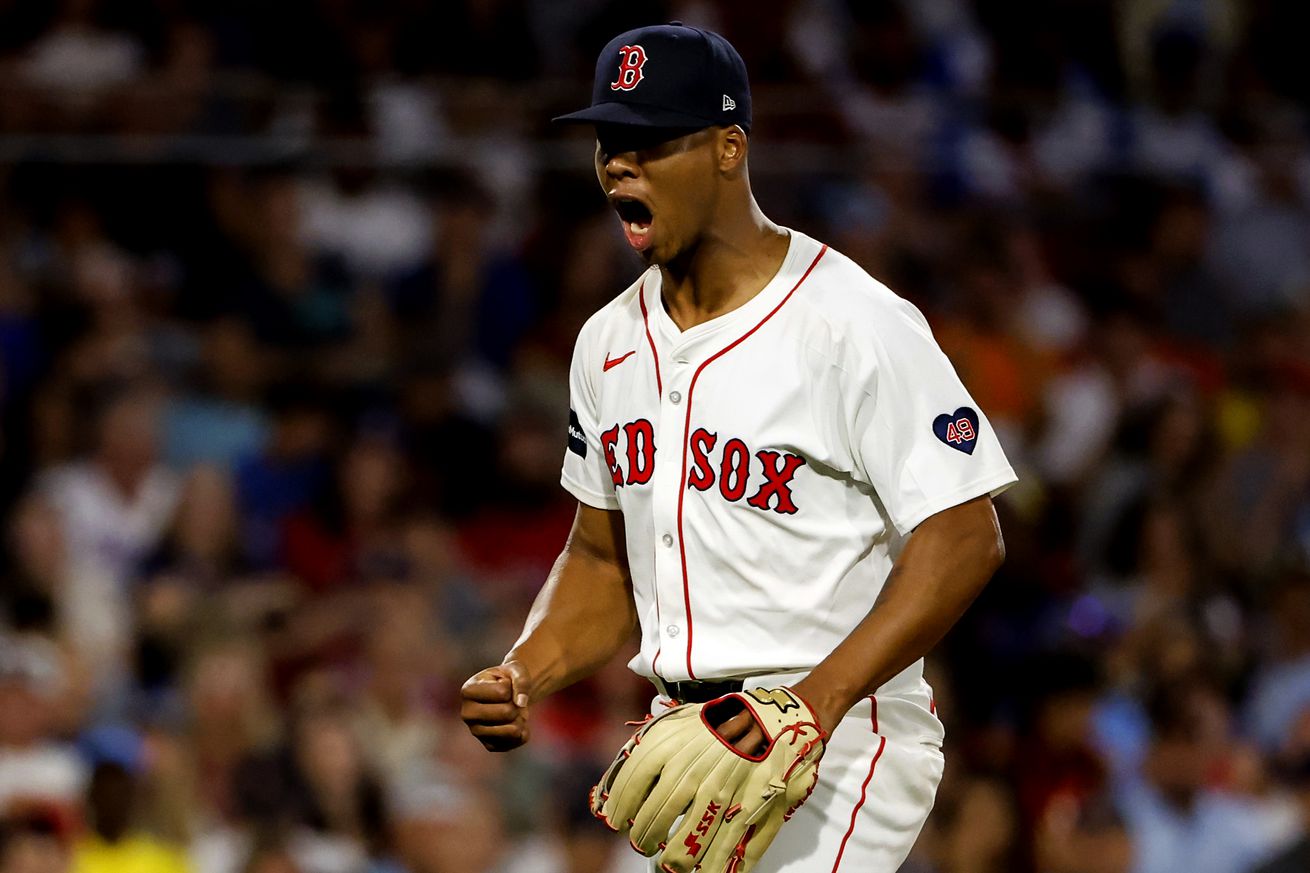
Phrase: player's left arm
(946, 562)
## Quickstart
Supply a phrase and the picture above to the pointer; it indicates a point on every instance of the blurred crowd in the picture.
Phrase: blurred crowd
(287, 298)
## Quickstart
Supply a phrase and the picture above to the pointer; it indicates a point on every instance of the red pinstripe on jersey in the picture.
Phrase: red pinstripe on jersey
(686, 435)
(645, 322)
(659, 389)
(873, 765)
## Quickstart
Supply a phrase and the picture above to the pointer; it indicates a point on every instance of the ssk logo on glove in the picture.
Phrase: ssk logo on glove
(702, 828)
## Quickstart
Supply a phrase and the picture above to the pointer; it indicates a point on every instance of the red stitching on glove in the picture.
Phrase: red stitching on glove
(811, 709)
(800, 756)
(739, 852)
(786, 816)
(595, 807)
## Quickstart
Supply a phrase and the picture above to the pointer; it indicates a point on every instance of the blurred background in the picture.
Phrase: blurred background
(287, 297)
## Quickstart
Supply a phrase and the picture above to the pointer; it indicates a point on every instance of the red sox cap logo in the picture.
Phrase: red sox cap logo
(631, 60)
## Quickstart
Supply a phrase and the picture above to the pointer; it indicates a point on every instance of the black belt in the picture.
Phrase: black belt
(696, 691)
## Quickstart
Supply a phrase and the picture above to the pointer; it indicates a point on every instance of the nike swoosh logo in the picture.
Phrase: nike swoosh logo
(614, 362)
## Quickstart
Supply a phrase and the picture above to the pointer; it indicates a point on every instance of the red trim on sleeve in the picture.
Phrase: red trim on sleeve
(873, 765)
(686, 434)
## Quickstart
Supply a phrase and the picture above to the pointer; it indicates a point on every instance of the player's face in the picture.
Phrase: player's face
(662, 184)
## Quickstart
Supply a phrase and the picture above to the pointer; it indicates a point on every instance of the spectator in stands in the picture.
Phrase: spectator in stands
(1296, 770)
(1084, 836)
(39, 771)
(221, 421)
(469, 296)
(271, 858)
(1280, 689)
(33, 843)
(113, 508)
(284, 477)
(1176, 816)
(397, 719)
(317, 790)
(114, 845)
(231, 719)
(352, 533)
(79, 56)
(289, 298)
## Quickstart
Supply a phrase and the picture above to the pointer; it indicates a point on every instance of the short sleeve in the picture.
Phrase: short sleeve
(586, 474)
(917, 436)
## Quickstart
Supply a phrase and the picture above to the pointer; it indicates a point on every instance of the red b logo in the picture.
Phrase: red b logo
(631, 59)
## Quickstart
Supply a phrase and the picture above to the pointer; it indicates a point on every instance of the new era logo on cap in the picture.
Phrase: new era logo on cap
(728, 103)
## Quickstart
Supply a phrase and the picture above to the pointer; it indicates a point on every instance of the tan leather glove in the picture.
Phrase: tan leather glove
(731, 805)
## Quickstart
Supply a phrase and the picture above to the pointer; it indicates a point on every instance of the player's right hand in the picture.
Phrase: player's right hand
(494, 705)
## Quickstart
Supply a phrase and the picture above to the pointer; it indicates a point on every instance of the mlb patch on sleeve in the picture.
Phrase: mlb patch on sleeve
(577, 439)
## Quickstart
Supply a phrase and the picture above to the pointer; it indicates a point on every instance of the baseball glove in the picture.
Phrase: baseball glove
(731, 805)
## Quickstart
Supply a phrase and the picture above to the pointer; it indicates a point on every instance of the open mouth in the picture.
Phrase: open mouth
(636, 218)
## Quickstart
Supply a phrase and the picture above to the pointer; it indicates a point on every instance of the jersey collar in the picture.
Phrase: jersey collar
(749, 312)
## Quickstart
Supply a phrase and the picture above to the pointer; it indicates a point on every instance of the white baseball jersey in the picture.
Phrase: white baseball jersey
(770, 462)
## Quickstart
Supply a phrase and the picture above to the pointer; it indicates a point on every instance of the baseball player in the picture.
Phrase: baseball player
(781, 482)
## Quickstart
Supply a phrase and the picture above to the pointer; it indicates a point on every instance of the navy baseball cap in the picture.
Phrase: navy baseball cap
(668, 75)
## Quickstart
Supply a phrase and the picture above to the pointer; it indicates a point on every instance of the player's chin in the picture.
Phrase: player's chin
(657, 254)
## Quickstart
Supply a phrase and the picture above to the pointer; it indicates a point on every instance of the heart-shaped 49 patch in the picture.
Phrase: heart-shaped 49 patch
(958, 429)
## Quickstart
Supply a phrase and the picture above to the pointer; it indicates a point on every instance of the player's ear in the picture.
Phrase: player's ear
(732, 149)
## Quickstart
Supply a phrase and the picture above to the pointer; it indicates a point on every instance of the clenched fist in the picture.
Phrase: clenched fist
(494, 705)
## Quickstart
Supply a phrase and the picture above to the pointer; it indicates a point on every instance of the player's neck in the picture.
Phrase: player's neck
(730, 265)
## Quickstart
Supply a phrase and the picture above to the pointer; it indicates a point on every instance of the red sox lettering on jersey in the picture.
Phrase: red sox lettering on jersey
(769, 462)
(731, 470)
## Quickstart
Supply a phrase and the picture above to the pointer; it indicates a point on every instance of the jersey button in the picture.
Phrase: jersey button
(673, 630)
(675, 396)
(667, 539)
